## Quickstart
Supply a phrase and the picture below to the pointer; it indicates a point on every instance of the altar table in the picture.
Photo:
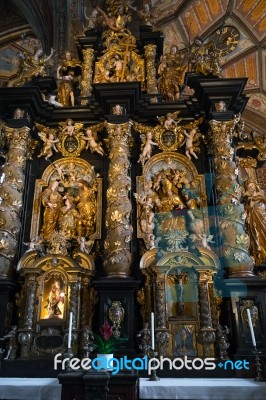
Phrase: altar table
(30, 389)
(202, 389)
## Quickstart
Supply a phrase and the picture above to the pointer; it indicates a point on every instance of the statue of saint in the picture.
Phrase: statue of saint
(86, 205)
(52, 201)
(68, 75)
(255, 207)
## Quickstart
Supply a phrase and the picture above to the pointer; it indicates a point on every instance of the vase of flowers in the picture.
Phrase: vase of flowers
(105, 345)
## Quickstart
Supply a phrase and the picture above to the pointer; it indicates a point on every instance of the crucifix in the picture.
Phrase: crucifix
(127, 46)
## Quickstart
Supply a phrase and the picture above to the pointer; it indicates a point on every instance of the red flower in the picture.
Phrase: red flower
(105, 342)
(106, 331)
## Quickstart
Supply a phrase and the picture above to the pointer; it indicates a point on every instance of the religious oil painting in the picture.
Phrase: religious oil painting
(53, 297)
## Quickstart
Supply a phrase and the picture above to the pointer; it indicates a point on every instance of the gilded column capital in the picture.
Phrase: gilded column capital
(20, 139)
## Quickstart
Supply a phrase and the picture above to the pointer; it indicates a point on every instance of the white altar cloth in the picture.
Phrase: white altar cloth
(202, 389)
(30, 389)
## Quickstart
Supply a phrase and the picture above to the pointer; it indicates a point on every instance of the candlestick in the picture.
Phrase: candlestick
(70, 329)
(152, 332)
(251, 327)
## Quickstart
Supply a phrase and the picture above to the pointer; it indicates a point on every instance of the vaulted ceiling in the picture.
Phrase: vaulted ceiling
(56, 23)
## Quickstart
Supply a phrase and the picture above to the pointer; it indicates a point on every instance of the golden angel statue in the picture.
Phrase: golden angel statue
(48, 136)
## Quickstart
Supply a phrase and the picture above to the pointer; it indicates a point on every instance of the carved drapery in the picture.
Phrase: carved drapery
(87, 72)
(20, 147)
(231, 222)
(151, 82)
(118, 225)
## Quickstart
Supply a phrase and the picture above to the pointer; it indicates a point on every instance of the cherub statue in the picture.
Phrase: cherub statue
(117, 109)
(147, 147)
(91, 138)
(69, 128)
(48, 136)
(170, 120)
(189, 143)
(85, 245)
(36, 243)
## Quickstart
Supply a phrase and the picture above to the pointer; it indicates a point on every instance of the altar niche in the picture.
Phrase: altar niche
(181, 293)
(180, 287)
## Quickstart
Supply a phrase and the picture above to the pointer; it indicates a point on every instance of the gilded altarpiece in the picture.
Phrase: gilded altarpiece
(57, 266)
(179, 265)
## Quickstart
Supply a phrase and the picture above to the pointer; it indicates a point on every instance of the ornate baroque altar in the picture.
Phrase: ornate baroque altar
(133, 196)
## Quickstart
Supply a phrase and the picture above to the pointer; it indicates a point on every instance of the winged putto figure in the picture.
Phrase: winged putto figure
(169, 121)
(49, 138)
(91, 138)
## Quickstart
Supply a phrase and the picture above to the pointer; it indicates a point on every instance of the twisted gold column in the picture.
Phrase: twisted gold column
(235, 242)
(117, 244)
(20, 147)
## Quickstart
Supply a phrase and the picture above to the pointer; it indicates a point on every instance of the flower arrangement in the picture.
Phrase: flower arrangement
(105, 342)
